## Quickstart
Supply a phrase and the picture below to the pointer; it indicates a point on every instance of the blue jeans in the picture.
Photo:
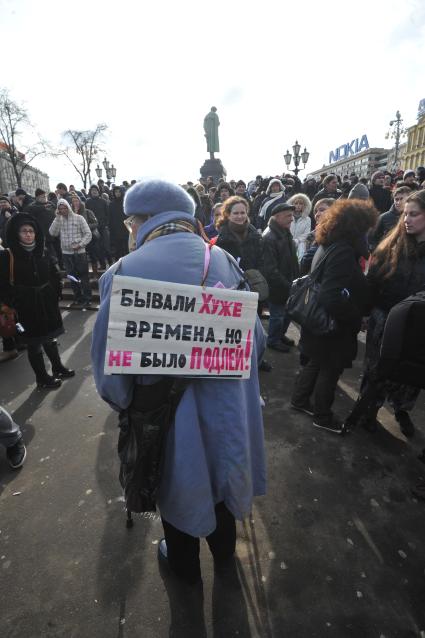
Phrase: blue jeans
(278, 323)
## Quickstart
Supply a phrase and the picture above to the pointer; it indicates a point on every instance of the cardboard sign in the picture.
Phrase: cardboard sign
(158, 327)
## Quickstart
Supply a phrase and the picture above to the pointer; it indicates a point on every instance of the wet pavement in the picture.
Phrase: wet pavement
(335, 549)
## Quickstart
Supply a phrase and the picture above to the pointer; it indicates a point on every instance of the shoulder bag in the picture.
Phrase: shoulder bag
(8, 316)
(303, 306)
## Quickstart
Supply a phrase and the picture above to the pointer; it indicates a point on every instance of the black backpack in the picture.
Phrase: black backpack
(402, 356)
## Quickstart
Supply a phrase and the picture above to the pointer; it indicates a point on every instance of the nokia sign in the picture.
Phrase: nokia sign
(351, 148)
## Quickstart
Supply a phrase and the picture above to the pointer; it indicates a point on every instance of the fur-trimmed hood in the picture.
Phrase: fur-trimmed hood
(275, 181)
(307, 203)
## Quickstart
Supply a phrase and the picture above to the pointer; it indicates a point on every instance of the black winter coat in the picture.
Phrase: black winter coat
(101, 210)
(280, 261)
(3, 223)
(382, 198)
(116, 221)
(386, 222)
(249, 250)
(45, 216)
(36, 287)
(340, 271)
(325, 194)
(408, 279)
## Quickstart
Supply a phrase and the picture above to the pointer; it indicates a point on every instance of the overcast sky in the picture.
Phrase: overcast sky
(323, 72)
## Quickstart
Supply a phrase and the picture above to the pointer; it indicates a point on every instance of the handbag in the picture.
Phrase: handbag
(303, 306)
(8, 316)
(257, 283)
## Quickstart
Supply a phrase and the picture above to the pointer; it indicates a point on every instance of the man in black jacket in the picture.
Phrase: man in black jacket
(330, 190)
(388, 220)
(63, 193)
(280, 269)
(100, 208)
(22, 200)
(381, 196)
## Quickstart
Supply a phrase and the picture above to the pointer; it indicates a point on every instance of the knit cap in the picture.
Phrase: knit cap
(359, 191)
(156, 196)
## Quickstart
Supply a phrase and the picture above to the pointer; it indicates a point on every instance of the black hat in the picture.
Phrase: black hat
(20, 191)
(281, 208)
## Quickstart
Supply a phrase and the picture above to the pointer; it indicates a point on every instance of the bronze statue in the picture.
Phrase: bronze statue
(211, 124)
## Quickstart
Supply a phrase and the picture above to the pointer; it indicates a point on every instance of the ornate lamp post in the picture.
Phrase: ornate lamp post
(396, 133)
(110, 171)
(303, 157)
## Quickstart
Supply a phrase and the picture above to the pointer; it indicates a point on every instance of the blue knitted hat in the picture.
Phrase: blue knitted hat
(157, 196)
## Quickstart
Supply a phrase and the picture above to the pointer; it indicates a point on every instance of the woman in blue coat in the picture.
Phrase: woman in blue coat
(214, 454)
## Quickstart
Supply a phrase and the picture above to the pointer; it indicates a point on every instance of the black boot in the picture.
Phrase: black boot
(43, 379)
(58, 369)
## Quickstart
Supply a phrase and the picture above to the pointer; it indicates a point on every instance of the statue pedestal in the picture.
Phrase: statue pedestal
(213, 168)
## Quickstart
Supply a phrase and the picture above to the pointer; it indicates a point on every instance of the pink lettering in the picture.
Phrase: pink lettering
(205, 305)
(225, 308)
(114, 358)
(237, 308)
(126, 360)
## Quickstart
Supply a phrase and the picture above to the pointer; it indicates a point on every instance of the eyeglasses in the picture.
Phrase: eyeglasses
(27, 232)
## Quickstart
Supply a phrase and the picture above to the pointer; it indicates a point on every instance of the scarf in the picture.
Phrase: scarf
(239, 230)
(269, 202)
(179, 226)
(28, 247)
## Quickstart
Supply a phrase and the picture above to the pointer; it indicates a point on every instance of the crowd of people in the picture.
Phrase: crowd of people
(367, 237)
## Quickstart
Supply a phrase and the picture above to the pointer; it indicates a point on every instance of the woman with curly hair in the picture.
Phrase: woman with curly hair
(344, 293)
(397, 271)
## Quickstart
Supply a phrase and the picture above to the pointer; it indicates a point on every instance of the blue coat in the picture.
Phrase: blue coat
(215, 448)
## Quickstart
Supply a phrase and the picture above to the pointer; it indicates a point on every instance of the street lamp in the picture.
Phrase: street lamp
(397, 132)
(110, 171)
(303, 157)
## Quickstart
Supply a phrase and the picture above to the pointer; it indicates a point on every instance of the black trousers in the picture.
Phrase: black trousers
(183, 549)
(317, 380)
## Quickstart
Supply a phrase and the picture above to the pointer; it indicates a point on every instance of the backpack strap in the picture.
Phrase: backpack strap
(207, 259)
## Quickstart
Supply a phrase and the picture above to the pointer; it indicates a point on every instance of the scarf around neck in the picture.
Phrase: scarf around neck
(239, 230)
(28, 247)
(178, 226)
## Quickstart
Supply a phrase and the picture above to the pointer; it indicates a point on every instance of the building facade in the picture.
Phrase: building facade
(363, 164)
(415, 150)
(32, 178)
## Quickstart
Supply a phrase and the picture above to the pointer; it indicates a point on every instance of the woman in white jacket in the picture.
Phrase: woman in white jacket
(301, 226)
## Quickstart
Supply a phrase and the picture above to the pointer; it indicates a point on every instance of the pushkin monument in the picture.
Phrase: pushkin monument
(212, 166)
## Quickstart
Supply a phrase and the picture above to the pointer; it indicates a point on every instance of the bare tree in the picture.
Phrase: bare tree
(82, 149)
(14, 124)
